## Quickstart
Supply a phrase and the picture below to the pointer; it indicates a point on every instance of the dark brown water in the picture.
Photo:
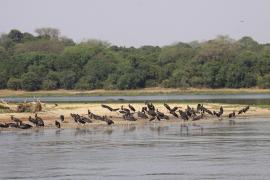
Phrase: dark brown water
(218, 151)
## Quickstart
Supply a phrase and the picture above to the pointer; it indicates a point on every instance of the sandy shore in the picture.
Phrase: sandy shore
(51, 113)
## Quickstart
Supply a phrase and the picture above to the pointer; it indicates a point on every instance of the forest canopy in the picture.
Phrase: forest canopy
(46, 60)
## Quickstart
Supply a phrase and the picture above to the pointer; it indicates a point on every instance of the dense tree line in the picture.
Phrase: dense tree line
(48, 61)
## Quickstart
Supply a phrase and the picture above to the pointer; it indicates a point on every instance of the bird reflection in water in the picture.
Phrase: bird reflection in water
(38, 131)
(82, 131)
(159, 129)
(185, 129)
(58, 132)
(129, 128)
(108, 131)
(25, 134)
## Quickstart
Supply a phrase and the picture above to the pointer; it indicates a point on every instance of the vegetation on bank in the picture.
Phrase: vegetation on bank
(47, 61)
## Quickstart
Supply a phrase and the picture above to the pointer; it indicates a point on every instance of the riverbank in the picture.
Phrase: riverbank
(136, 92)
(51, 112)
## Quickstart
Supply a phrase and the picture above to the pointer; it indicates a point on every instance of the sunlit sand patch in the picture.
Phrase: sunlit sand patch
(51, 113)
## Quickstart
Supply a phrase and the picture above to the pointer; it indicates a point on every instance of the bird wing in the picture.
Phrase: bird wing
(209, 112)
(175, 108)
(175, 114)
(152, 118)
(240, 111)
(131, 107)
(106, 106)
(167, 106)
(246, 109)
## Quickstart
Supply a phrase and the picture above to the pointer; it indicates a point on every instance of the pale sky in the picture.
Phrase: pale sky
(140, 22)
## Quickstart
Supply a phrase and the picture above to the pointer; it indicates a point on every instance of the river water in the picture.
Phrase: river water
(224, 98)
(152, 151)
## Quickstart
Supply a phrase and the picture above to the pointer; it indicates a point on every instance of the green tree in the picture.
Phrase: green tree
(51, 81)
(28, 37)
(49, 61)
(15, 35)
(14, 83)
(48, 32)
(30, 81)
(3, 80)
(67, 79)
(264, 82)
(49, 84)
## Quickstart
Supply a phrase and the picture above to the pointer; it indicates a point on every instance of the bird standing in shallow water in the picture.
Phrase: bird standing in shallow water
(244, 110)
(39, 120)
(219, 114)
(107, 120)
(142, 115)
(152, 113)
(57, 124)
(4, 125)
(197, 117)
(32, 120)
(183, 115)
(161, 115)
(231, 115)
(24, 126)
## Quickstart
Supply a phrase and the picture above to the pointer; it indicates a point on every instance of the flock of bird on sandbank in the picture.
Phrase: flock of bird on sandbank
(148, 112)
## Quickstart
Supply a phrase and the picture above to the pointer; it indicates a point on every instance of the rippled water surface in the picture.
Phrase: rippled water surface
(222, 98)
(152, 151)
